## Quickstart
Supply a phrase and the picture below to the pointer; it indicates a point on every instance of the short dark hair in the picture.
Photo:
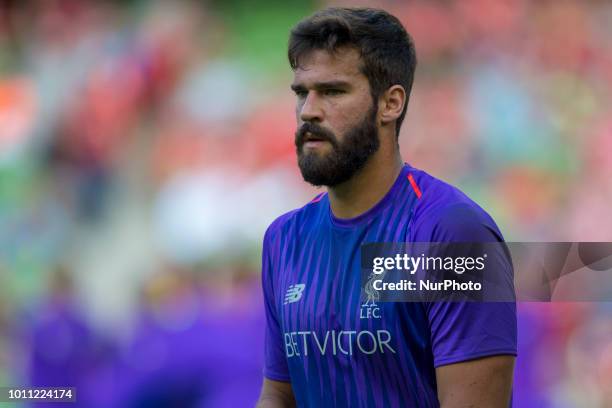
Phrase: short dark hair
(386, 49)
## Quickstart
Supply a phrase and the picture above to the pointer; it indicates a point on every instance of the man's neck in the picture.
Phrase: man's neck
(366, 188)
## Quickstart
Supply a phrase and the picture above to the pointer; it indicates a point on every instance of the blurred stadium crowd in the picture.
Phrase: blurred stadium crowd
(146, 145)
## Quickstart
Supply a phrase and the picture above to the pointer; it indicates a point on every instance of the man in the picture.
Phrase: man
(353, 72)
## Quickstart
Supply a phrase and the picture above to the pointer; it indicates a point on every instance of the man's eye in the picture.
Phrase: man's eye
(301, 94)
(333, 92)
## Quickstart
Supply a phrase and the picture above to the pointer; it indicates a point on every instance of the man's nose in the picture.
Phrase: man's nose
(310, 110)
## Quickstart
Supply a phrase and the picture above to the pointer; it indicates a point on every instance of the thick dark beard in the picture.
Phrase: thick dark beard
(345, 159)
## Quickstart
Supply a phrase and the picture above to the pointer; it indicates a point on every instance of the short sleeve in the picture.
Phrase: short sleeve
(462, 331)
(275, 361)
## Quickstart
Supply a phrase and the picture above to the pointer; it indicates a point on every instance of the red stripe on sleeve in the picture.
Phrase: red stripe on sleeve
(413, 183)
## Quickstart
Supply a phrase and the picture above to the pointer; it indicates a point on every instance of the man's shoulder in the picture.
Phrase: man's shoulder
(436, 193)
(291, 220)
(444, 208)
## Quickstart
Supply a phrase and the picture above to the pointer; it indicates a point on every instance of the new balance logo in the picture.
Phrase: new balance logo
(294, 293)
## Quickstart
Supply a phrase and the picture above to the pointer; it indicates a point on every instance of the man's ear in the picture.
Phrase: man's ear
(391, 104)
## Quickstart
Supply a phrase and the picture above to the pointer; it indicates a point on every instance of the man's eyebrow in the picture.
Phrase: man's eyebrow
(297, 87)
(322, 85)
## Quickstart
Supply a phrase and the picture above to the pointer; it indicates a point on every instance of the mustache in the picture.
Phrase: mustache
(315, 130)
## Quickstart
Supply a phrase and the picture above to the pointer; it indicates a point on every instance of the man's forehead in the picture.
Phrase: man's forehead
(342, 64)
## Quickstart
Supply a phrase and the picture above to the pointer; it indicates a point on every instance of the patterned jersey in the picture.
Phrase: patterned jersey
(338, 349)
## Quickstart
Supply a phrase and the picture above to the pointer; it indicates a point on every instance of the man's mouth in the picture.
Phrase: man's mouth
(314, 144)
(313, 141)
(310, 137)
